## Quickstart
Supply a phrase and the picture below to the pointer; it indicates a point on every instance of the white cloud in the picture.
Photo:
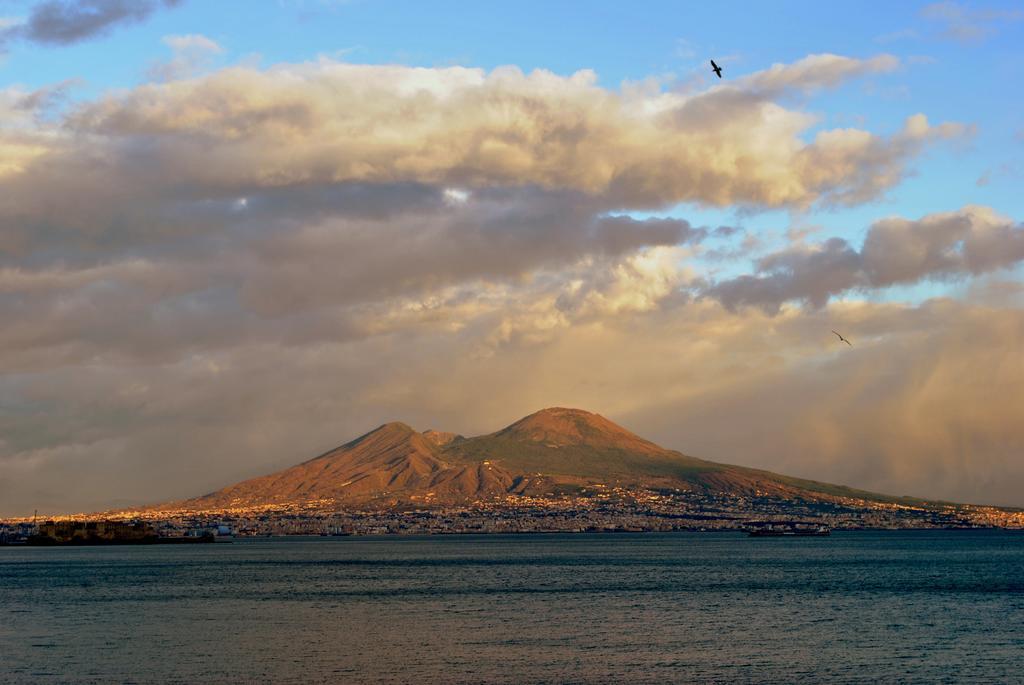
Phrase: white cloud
(334, 122)
(456, 196)
(64, 22)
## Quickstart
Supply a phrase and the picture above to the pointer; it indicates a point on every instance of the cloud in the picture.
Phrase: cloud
(332, 123)
(25, 135)
(260, 264)
(870, 164)
(63, 22)
(907, 411)
(41, 101)
(126, 376)
(184, 166)
(972, 241)
(811, 274)
(498, 235)
(193, 53)
(473, 318)
(302, 267)
(1005, 170)
(815, 72)
(967, 25)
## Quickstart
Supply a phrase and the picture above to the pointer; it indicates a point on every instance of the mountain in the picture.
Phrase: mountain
(553, 451)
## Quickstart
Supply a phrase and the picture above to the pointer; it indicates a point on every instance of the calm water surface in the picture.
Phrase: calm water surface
(924, 607)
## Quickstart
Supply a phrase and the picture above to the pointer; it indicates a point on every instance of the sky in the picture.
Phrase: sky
(235, 234)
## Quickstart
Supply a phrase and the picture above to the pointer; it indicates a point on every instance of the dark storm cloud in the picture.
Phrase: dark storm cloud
(811, 275)
(62, 22)
(286, 265)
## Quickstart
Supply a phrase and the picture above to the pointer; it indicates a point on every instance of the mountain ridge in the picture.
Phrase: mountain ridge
(554, 451)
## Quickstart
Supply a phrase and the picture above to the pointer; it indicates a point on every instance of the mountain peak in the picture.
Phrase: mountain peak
(564, 411)
(562, 426)
(395, 430)
(384, 437)
(394, 427)
(562, 414)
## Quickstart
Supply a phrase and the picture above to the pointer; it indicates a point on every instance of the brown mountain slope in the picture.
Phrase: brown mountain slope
(388, 465)
(552, 450)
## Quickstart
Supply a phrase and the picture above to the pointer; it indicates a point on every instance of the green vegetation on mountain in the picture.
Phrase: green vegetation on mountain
(571, 442)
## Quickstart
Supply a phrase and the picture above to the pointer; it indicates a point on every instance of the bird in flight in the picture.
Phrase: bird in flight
(715, 68)
(844, 339)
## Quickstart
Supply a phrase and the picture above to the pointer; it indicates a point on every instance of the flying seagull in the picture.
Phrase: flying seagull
(844, 339)
(715, 68)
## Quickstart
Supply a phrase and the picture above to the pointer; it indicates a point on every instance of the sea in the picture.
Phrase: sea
(856, 607)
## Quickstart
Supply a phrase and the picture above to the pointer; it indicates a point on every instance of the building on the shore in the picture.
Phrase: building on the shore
(92, 532)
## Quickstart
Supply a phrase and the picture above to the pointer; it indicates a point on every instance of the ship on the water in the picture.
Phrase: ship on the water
(769, 529)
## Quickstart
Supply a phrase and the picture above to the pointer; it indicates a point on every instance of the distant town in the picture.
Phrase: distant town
(613, 510)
